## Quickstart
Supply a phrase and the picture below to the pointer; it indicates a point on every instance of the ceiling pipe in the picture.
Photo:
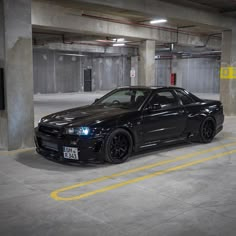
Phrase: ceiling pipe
(87, 44)
(189, 55)
(66, 41)
(170, 57)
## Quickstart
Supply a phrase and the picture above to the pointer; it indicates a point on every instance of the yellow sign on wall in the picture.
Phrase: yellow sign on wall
(228, 72)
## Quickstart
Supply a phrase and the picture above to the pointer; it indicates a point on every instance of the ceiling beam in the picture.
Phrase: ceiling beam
(46, 15)
(169, 11)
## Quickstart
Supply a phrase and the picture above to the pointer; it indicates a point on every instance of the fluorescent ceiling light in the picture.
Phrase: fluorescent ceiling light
(75, 55)
(163, 49)
(104, 40)
(118, 44)
(119, 40)
(158, 21)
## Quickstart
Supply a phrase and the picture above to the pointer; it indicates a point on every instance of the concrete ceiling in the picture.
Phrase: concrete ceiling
(223, 6)
(117, 14)
(96, 11)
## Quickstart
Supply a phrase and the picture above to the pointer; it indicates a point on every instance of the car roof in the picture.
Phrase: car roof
(150, 87)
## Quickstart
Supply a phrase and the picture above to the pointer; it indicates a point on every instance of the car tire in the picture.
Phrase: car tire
(118, 146)
(207, 130)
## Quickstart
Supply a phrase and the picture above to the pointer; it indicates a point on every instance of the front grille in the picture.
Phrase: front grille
(55, 131)
(49, 145)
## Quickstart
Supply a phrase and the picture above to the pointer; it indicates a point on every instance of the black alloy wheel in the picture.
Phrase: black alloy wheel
(118, 146)
(207, 130)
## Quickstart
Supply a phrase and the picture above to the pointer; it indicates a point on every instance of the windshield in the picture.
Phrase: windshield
(126, 98)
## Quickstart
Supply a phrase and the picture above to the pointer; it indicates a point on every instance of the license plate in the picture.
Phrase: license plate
(71, 153)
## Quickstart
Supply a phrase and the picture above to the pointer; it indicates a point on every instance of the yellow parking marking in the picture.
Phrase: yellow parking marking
(14, 152)
(232, 138)
(55, 196)
(55, 193)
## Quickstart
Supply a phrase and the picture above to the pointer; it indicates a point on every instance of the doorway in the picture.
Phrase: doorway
(87, 80)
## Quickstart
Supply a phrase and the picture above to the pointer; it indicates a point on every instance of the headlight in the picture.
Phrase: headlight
(81, 131)
(42, 120)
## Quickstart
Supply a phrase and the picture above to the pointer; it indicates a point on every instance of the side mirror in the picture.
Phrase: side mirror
(96, 100)
(153, 107)
(157, 106)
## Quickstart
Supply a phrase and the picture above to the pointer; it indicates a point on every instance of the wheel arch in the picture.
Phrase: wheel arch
(209, 116)
(131, 134)
(130, 147)
(204, 115)
(202, 139)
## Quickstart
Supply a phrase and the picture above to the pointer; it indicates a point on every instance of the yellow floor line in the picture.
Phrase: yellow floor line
(55, 196)
(14, 152)
(135, 180)
(232, 138)
(55, 193)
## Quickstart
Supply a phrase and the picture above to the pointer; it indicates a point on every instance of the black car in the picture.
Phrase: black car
(127, 120)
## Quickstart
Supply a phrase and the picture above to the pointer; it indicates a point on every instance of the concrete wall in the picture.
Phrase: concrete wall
(197, 75)
(201, 75)
(163, 68)
(55, 72)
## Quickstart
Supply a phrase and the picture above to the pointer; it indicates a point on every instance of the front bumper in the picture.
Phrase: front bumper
(89, 149)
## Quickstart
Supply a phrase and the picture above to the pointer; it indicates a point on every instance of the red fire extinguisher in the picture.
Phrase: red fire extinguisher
(173, 79)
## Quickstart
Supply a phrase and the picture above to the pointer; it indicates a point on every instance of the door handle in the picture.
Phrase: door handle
(181, 111)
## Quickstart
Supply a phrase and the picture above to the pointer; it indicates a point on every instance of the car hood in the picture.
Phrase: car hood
(86, 115)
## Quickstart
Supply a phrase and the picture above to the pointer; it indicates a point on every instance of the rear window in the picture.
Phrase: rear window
(186, 99)
(165, 98)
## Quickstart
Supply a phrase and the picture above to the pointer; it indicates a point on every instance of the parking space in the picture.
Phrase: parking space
(184, 189)
(156, 156)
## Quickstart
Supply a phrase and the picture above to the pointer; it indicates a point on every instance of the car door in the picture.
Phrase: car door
(192, 108)
(163, 117)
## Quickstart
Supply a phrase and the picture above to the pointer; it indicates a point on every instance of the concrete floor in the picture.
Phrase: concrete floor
(192, 200)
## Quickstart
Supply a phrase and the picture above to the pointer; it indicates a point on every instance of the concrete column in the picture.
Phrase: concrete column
(228, 72)
(178, 71)
(147, 63)
(16, 121)
(134, 71)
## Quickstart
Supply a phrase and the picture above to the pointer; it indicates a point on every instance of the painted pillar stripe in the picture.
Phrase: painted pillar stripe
(228, 72)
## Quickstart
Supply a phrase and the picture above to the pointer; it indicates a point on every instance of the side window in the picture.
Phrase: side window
(165, 99)
(139, 97)
(184, 97)
(122, 96)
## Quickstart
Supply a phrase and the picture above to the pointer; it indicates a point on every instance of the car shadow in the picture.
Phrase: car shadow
(32, 159)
